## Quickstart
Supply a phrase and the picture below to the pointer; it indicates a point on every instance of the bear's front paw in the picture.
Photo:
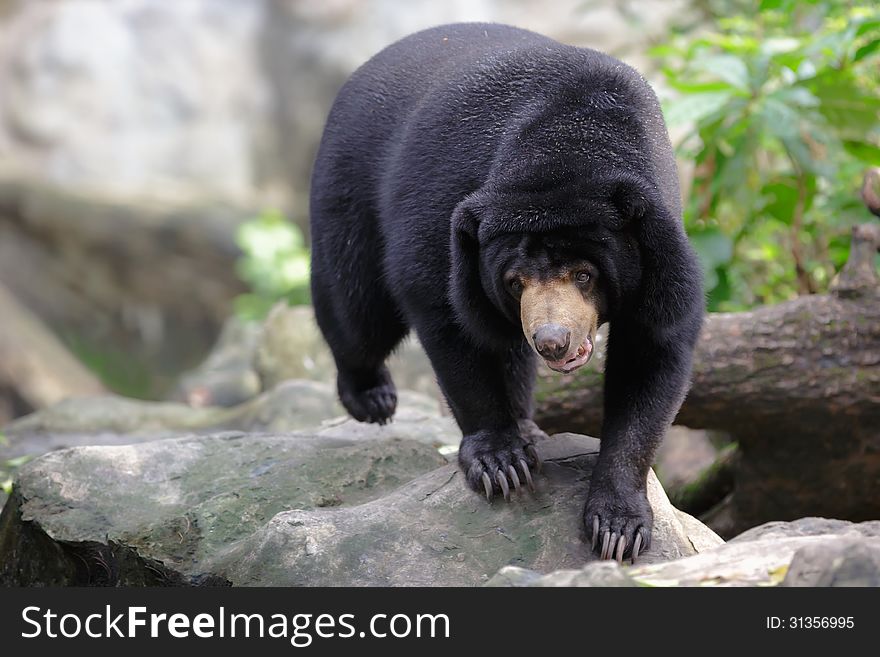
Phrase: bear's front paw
(494, 461)
(618, 522)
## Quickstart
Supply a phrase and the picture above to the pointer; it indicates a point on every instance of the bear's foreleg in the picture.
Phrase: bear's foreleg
(646, 378)
(497, 453)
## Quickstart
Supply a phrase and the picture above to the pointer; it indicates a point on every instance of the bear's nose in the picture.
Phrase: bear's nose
(551, 341)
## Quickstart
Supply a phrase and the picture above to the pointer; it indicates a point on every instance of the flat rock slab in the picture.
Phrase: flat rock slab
(153, 513)
(294, 510)
(806, 552)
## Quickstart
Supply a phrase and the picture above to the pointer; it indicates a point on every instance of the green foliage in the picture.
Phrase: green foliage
(5, 478)
(8, 468)
(781, 111)
(274, 264)
(7, 472)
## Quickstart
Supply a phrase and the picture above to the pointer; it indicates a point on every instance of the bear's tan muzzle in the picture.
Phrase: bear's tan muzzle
(559, 322)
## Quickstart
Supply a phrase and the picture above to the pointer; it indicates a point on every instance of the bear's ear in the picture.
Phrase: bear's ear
(630, 196)
(466, 216)
(473, 307)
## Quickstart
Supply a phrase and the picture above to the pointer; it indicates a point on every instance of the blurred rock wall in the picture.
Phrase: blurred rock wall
(224, 98)
(136, 97)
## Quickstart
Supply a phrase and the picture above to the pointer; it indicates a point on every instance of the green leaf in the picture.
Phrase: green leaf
(18, 461)
(846, 105)
(252, 307)
(275, 263)
(808, 159)
(663, 50)
(721, 291)
(731, 43)
(784, 106)
(696, 107)
(797, 96)
(780, 120)
(713, 247)
(838, 250)
(867, 153)
(715, 250)
(697, 87)
(867, 26)
(768, 5)
(866, 50)
(729, 68)
(781, 199)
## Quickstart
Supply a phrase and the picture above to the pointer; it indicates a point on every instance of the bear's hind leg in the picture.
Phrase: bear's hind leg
(362, 330)
(363, 381)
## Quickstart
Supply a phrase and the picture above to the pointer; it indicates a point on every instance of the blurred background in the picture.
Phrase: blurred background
(155, 157)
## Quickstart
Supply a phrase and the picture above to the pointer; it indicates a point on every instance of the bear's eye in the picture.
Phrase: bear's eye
(582, 277)
(515, 285)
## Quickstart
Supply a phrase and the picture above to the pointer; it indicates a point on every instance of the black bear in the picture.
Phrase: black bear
(502, 194)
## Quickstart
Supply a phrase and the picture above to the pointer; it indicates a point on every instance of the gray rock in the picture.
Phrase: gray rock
(227, 376)
(682, 456)
(701, 536)
(412, 421)
(155, 513)
(295, 510)
(291, 406)
(434, 531)
(845, 562)
(222, 98)
(810, 527)
(290, 346)
(760, 557)
(162, 98)
(253, 356)
(817, 552)
(600, 573)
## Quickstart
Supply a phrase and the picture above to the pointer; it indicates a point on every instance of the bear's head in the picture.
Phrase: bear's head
(550, 267)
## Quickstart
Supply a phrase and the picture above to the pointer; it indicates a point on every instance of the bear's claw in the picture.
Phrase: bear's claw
(514, 478)
(527, 474)
(614, 544)
(618, 521)
(501, 478)
(534, 454)
(490, 459)
(487, 484)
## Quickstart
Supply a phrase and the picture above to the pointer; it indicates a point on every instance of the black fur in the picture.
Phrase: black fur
(461, 151)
